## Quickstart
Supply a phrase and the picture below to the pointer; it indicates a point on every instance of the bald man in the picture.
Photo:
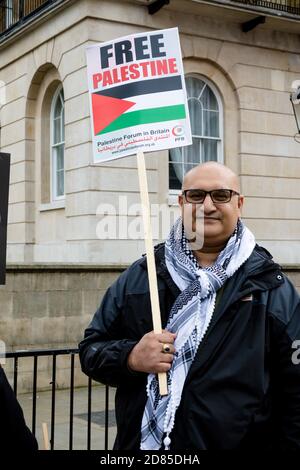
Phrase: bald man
(231, 319)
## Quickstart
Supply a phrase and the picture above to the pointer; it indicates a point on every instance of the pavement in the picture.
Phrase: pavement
(80, 428)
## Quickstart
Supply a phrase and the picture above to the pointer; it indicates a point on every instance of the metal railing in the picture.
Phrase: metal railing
(287, 6)
(54, 353)
(15, 12)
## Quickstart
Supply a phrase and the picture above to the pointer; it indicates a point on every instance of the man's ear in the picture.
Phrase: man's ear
(180, 200)
(241, 200)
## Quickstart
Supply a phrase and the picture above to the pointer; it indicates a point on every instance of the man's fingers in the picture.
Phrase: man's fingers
(166, 337)
(166, 357)
(169, 333)
(163, 346)
(163, 367)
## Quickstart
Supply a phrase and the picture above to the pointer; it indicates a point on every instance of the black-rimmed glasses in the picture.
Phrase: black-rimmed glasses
(218, 196)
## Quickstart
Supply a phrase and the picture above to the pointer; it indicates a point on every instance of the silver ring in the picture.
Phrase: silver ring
(166, 348)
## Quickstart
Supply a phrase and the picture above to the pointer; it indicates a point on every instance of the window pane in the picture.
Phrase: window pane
(192, 152)
(209, 100)
(190, 155)
(195, 111)
(60, 183)
(58, 119)
(60, 158)
(209, 150)
(63, 126)
(57, 107)
(194, 86)
(58, 169)
(57, 138)
(175, 170)
(211, 123)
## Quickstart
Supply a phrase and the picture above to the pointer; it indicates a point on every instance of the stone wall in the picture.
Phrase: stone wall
(49, 308)
(294, 275)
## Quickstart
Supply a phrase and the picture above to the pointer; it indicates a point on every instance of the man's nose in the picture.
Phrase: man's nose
(208, 204)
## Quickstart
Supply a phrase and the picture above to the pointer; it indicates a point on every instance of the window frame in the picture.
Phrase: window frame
(173, 193)
(53, 157)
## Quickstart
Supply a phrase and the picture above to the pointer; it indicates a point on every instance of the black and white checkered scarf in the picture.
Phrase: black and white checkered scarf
(190, 317)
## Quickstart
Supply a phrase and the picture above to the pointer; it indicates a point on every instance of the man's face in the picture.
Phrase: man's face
(213, 222)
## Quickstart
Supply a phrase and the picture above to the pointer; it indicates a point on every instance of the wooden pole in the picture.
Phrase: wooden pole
(156, 318)
(45, 436)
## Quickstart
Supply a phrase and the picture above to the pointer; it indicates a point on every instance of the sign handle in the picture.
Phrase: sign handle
(162, 376)
(45, 436)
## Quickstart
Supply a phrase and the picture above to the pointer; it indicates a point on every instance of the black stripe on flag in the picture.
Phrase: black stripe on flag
(143, 87)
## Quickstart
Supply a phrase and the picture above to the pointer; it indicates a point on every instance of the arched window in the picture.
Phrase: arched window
(205, 110)
(57, 145)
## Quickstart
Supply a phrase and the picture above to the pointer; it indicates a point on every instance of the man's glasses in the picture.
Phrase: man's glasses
(218, 196)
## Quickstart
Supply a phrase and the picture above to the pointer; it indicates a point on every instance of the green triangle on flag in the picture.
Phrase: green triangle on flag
(106, 110)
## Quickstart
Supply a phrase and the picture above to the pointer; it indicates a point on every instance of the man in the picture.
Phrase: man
(230, 319)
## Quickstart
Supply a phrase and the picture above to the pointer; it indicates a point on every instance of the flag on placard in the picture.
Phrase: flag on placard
(137, 95)
(133, 104)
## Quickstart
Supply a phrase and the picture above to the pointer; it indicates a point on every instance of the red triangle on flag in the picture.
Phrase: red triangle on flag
(106, 109)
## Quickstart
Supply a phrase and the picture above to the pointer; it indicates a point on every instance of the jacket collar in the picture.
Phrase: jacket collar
(258, 273)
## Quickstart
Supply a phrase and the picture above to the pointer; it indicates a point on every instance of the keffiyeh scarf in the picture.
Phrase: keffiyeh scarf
(190, 317)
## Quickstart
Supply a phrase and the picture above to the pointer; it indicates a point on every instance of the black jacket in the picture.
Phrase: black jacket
(14, 434)
(242, 390)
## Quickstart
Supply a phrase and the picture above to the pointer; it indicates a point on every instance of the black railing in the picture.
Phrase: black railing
(15, 12)
(287, 6)
(54, 353)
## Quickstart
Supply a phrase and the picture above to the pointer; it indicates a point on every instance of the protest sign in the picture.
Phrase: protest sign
(137, 95)
(138, 104)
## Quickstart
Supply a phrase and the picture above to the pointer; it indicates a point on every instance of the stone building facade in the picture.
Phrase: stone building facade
(58, 268)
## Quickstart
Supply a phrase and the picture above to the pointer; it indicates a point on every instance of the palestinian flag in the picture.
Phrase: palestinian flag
(133, 104)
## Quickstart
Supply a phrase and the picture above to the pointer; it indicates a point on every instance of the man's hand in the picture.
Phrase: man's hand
(148, 356)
